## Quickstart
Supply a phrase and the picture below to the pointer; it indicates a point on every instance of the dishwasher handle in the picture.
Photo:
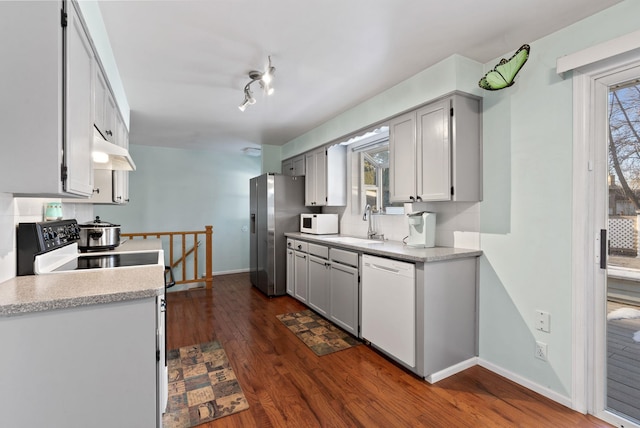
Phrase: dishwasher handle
(384, 268)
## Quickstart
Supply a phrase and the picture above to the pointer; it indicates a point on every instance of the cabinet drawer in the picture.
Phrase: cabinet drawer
(345, 257)
(319, 250)
(300, 246)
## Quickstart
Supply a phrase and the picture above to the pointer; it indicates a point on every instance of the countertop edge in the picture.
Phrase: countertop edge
(22, 295)
(18, 309)
(393, 249)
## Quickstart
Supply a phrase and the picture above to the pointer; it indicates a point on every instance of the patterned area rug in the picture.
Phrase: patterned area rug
(317, 333)
(202, 386)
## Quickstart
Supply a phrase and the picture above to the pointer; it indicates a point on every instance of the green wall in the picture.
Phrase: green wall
(177, 190)
(526, 215)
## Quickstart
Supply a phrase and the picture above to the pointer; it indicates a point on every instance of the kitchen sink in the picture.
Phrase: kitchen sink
(354, 240)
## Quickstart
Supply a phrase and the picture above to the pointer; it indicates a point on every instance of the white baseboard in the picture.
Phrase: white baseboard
(229, 272)
(542, 390)
(449, 371)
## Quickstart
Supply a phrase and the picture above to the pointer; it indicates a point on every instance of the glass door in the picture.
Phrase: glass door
(623, 261)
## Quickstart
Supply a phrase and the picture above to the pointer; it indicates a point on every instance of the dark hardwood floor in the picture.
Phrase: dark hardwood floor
(287, 385)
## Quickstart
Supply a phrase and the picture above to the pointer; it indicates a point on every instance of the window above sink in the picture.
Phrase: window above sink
(370, 157)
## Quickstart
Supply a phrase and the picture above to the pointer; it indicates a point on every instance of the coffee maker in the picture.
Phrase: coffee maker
(422, 229)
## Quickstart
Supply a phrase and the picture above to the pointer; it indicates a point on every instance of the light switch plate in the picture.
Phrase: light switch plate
(543, 321)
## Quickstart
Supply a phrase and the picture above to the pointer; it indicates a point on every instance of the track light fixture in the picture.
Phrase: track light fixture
(264, 78)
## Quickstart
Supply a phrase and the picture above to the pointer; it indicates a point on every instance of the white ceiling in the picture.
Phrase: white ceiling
(185, 63)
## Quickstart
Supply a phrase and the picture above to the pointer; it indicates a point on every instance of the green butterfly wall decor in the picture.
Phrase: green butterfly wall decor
(503, 74)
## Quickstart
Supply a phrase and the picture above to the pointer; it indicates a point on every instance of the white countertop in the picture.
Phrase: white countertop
(393, 249)
(34, 293)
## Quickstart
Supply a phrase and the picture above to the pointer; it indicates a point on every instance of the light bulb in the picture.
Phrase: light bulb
(100, 157)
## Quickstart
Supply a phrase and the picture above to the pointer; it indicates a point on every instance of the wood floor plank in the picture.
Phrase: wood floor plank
(287, 385)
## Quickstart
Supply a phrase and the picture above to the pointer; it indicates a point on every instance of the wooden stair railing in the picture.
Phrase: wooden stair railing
(181, 256)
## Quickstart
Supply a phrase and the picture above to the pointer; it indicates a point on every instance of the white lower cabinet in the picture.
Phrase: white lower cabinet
(300, 276)
(100, 359)
(297, 269)
(319, 270)
(410, 311)
(344, 296)
(291, 265)
(327, 280)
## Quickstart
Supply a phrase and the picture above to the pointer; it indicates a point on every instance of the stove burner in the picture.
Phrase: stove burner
(109, 261)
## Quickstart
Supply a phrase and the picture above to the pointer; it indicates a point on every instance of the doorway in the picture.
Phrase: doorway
(604, 382)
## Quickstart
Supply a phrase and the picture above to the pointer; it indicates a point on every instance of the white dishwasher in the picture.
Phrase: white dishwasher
(388, 308)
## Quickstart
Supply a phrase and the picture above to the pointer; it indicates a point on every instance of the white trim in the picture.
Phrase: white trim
(600, 52)
(582, 250)
(542, 390)
(590, 165)
(450, 371)
(229, 272)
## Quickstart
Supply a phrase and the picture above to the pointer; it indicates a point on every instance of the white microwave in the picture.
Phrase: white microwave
(319, 224)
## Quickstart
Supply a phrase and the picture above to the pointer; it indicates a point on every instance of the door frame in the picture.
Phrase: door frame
(590, 91)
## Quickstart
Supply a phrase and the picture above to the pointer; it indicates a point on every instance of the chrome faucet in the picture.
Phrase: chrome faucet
(367, 217)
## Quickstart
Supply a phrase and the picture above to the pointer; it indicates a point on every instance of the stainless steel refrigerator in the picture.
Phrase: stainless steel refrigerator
(276, 204)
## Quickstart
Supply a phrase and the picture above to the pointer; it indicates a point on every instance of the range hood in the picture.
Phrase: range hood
(107, 155)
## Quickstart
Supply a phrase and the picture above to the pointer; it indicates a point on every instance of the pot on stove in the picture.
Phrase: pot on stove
(98, 235)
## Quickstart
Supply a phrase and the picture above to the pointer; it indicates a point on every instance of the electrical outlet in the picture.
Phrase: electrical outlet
(541, 351)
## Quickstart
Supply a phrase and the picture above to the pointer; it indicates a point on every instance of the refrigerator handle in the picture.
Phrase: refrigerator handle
(253, 224)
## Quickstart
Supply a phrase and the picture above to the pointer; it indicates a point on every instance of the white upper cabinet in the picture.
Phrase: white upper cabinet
(106, 110)
(120, 190)
(294, 166)
(433, 178)
(111, 187)
(79, 107)
(402, 157)
(436, 152)
(47, 150)
(326, 176)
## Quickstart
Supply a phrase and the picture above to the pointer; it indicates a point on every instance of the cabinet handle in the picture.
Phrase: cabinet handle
(412, 198)
(418, 198)
(109, 133)
(96, 190)
(299, 247)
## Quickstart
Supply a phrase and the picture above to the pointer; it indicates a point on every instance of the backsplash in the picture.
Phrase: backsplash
(457, 223)
(21, 210)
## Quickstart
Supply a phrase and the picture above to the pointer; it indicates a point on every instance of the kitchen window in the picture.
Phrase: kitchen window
(371, 152)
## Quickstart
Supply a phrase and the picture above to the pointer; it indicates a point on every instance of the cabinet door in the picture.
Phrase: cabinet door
(344, 297)
(321, 177)
(402, 158)
(110, 118)
(318, 284)
(291, 269)
(298, 166)
(120, 191)
(287, 167)
(310, 180)
(300, 277)
(434, 152)
(316, 178)
(78, 83)
(99, 98)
